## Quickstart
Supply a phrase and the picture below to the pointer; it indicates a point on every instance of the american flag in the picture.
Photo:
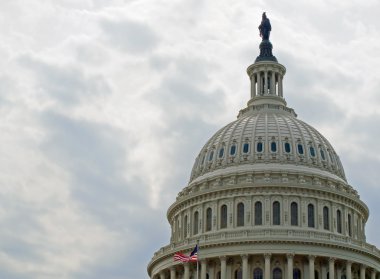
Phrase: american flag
(193, 257)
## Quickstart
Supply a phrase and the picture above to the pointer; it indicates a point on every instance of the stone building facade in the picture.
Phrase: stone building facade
(268, 198)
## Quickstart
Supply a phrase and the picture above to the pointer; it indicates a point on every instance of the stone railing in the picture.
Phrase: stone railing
(268, 234)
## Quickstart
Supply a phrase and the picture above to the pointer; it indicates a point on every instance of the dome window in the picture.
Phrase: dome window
(287, 147)
(233, 150)
(203, 160)
(323, 154)
(259, 147)
(211, 155)
(245, 147)
(221, 152)
(273, 146)
(300, 149)
(312, 151)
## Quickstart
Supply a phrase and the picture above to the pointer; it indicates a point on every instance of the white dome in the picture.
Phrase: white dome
(267, 134)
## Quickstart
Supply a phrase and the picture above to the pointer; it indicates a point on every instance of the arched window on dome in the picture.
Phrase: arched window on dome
(207, 276)
(294, 214)
(339, 221)
(203, 159)
(312, 151)
(257, 273)
(240, 214)
(296, 273)
(349, 221)
(326, 219)
(211, 155)
(208, 219)
(223, 216)
(273, 146)
(221, 152)
(260, 147)
(196, 222)
(316, 274)
(277, 273)
(276, 213)
(185, 227)
(245, 148)
(219, 275)
(300, 148)
(287, 147)
(322, 154)
(258, 213)
(233, 150)
(238, 274)
(310, 216)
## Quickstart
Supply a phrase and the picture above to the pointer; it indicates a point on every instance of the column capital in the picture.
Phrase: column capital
(311, 257)
(332, 259)
(349, 263)
(363, 266)
(290, 255)
(267, 256)
(173, 268)
(244, 256)
(203, 261)
(223, 258)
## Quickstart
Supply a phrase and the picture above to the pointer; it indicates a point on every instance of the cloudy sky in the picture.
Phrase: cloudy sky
(104, 105)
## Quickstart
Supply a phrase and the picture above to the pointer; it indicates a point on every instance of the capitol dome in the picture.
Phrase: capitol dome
(268, 199)
(268, 135)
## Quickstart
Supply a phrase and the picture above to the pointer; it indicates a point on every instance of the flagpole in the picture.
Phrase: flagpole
(198, 260)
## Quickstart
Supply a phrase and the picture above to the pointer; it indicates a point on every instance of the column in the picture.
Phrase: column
(331, 268)
(245, 266)
(223, 267)
(203, 269)
(187, 271)
(311, 266)
(162, 275)
(280, 93)
(211, 270)
(253, 86)
(290, 265)
(259, 92)
(172, 272)
(267, 266)
(362, 271)
(373, 274)
(266, 83)
(273, 84)
(348, 270)
(338, 272)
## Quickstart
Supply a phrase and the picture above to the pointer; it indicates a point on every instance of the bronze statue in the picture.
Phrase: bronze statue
(265, 27)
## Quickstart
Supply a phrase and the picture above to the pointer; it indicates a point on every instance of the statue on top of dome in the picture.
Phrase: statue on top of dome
(265, 27)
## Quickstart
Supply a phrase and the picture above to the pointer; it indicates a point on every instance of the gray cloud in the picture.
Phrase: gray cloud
(66, 84)
(132, 36)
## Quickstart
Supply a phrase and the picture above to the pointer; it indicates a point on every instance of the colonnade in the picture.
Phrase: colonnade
(224, 268)
(266, 83)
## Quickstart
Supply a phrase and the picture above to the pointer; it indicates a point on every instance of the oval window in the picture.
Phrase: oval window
(221, 152)
(273, 146)
(287, 147)
(245, 147)
(300, 148)
(259, 147)
(211, 156)
(312, 151)
(233, 150)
